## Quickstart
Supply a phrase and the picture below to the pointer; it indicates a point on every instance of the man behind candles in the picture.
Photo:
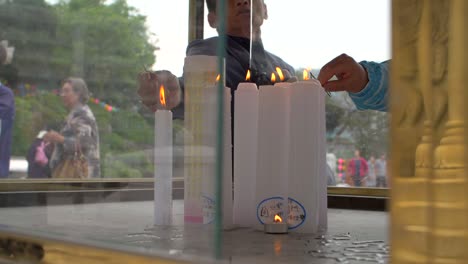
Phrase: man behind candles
(237, 49)
(237, 55)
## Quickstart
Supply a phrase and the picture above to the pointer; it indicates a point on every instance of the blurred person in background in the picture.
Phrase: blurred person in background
(381, 171)
(371, 176)
(80, 132)
(7, 115)
(358, 169)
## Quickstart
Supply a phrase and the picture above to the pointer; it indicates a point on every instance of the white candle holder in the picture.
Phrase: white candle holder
(277, 227)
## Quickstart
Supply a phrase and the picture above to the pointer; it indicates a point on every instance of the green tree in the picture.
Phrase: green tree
(369, 130)
(29, 26)
(106, 44)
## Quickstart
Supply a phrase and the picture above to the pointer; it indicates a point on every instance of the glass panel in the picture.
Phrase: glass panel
(158, 173)
(99, 120)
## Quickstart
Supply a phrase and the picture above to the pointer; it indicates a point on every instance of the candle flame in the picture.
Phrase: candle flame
(305, 75)
(247, 77)
(273, 77)
(218, 77)
(278, 219)
(280, 73)
(162, 95)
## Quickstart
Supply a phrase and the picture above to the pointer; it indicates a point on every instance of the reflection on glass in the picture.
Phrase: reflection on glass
(110, 48)
(76, 147)
(106, 45)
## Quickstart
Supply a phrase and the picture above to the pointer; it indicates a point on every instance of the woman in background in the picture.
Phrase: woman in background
(80, 132)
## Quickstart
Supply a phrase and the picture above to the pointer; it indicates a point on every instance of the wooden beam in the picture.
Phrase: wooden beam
(196, 19)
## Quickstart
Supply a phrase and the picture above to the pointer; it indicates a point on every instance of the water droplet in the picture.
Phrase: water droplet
(341, 238)
(367, 242)
(143, 235)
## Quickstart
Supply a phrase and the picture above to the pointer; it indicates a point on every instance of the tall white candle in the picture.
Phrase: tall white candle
(272, 158)
(307, 158)
(163, 167)
(199, 73)
(245, 154)
(209, 123)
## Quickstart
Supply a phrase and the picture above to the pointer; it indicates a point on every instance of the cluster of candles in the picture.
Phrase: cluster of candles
(279, 153)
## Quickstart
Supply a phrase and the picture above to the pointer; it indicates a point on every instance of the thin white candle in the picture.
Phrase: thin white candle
(163, 166)
(245, 154)
(307, 155)
(272, 154)
(227, 166)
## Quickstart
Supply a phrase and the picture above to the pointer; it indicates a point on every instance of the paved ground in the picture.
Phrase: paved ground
(353, 236)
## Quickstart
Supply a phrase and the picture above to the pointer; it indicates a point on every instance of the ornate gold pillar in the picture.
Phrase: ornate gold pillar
(449, 204)
(429, 207)
(411, 155)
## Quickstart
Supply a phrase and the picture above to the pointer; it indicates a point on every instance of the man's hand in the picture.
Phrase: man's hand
(352, 77)
(288, 77)
(149, 89)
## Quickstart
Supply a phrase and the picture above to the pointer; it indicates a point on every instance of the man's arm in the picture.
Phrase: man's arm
(374, 95)
(366, 82)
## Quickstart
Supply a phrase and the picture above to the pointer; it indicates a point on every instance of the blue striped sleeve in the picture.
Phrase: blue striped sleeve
(375, 95)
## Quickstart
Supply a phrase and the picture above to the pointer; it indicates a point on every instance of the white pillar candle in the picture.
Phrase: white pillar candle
(307, 158)
(163, 167)
(209, 124)
(199, 72)
(245, 154)
(272, 154)
(207, 159)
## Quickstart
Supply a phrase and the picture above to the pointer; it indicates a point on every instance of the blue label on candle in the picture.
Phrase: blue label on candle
(268, 208)
(297, 213)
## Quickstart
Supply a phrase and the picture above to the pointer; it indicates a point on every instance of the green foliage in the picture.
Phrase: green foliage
(333, 114)
(29, 26)
(132, 126)
(128, 165)
(125, 137)
(106, 44)
(32, 115)
(370, 132)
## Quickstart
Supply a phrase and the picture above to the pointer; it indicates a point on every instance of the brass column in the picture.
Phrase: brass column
(411, 150)
(429, 206)
(449, 204)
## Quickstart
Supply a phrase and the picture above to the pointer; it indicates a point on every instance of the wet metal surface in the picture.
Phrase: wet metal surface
(352, 237)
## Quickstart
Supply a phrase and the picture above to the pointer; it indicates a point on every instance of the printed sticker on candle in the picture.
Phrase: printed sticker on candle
(297, 213)
(208, 209)
(268, 208)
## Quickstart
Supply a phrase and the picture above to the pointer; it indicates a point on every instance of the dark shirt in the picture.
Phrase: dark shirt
(237, 61)
(7, 114)
(357, 167)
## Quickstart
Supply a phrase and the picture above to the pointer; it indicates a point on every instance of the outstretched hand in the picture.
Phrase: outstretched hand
(352, 77)
(150, 83)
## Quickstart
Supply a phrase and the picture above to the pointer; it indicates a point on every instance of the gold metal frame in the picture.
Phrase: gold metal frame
(13, 186)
